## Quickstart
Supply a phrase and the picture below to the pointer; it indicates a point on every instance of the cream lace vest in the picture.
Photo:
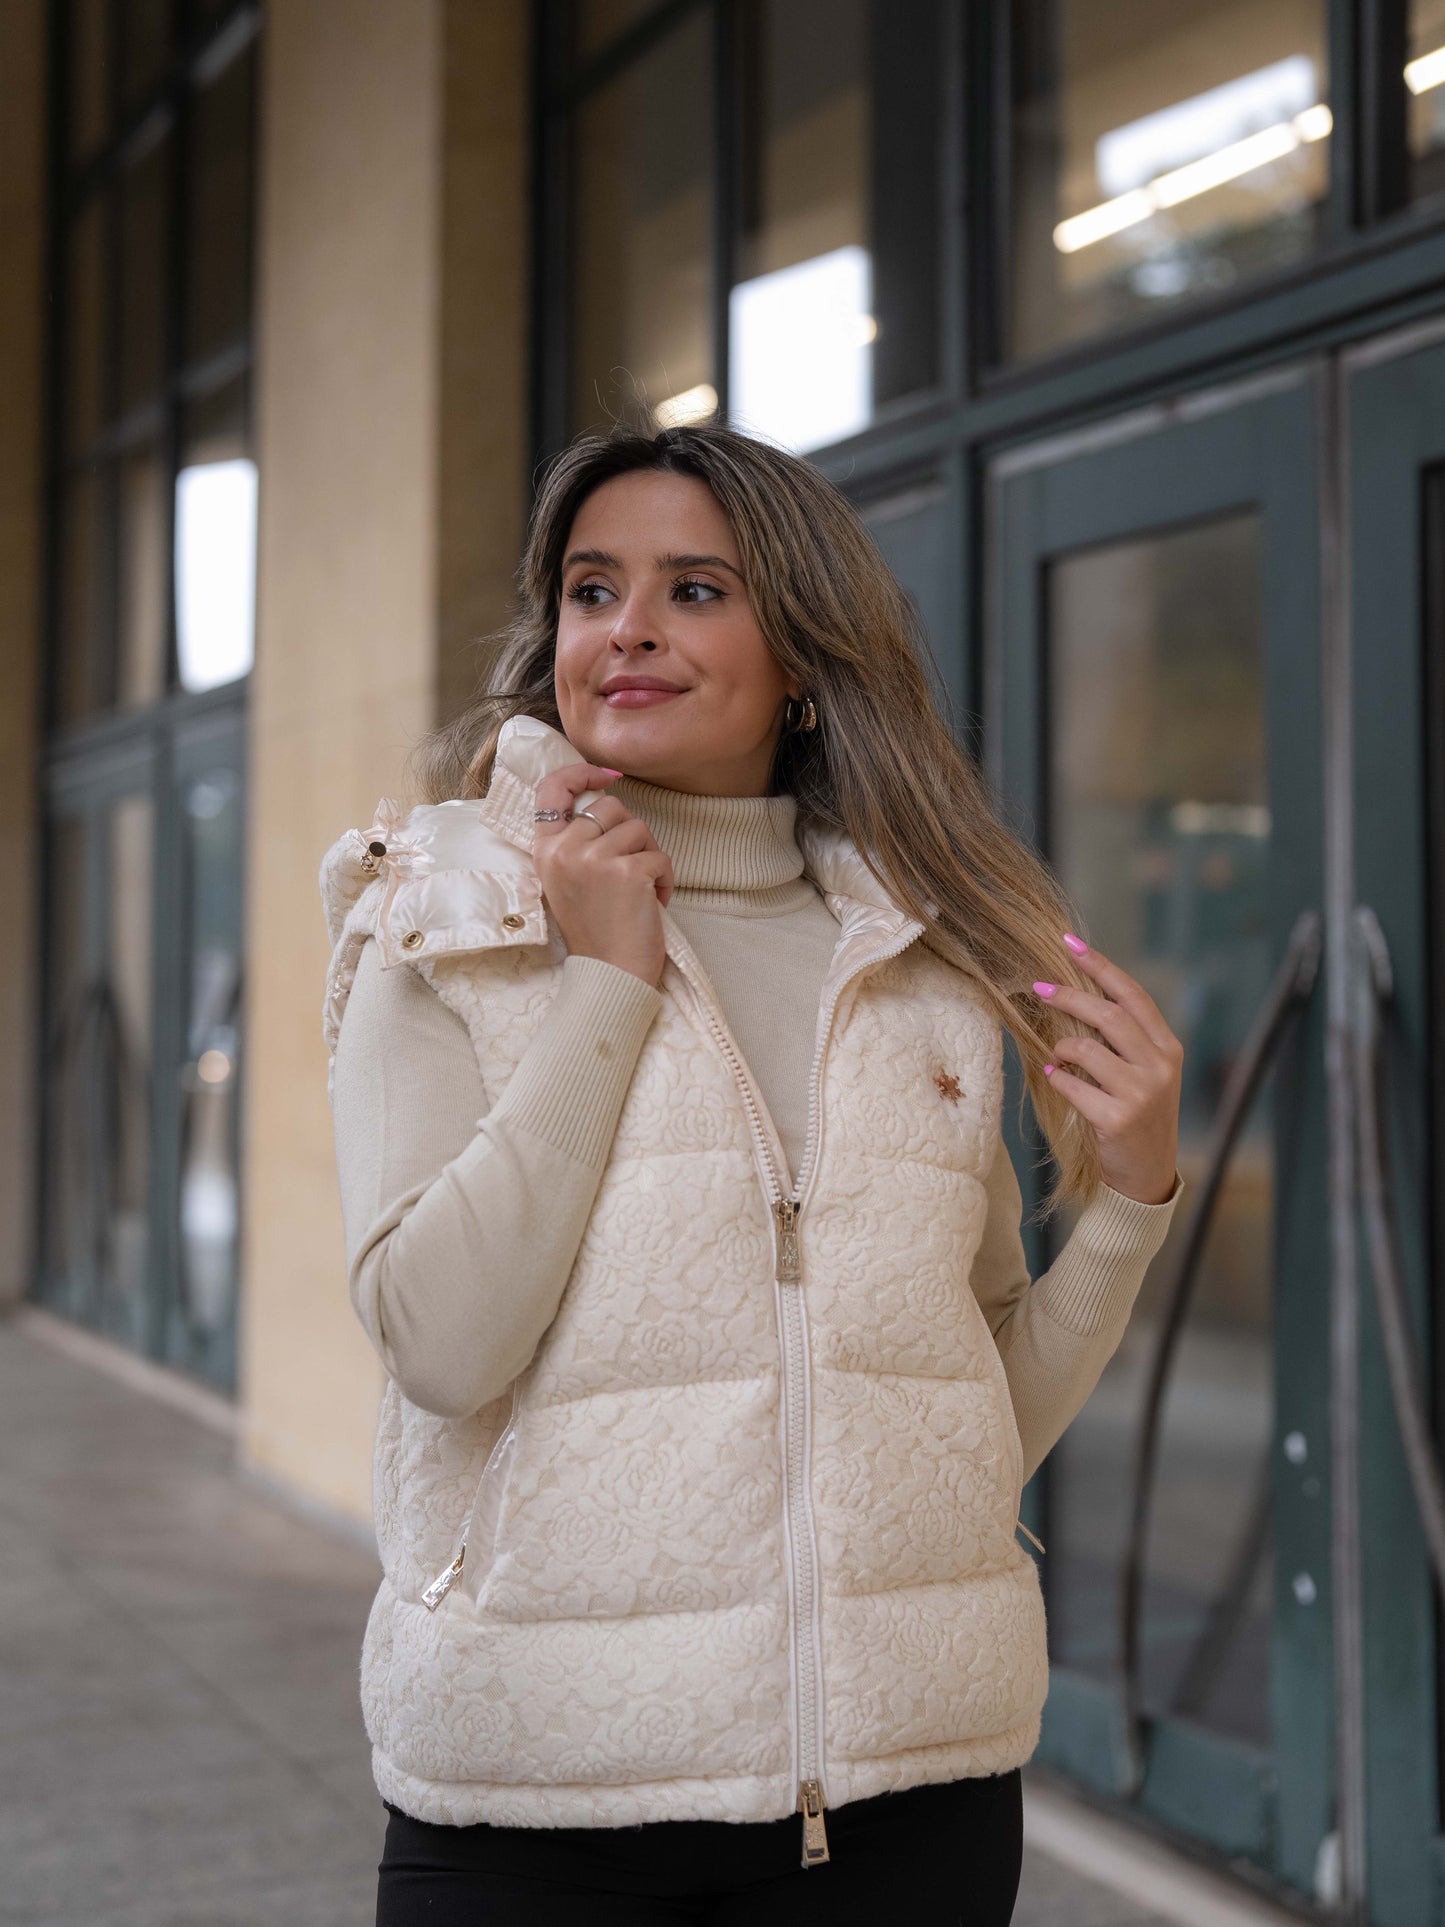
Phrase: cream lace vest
(741, 1537)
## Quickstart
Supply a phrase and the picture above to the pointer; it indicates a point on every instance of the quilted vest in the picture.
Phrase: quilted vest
(740, 1540)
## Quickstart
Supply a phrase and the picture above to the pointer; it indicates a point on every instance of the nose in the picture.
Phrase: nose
(632, 627)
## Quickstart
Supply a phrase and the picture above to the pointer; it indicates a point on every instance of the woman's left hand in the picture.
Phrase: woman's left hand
(1136, 1061)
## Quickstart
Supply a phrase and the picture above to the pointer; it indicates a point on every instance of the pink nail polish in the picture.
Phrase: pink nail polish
(1045, 990)
(609, 772)
(1049, 1069)
(1076, 944)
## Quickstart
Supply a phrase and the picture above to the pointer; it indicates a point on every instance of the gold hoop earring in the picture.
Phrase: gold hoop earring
(804, 719)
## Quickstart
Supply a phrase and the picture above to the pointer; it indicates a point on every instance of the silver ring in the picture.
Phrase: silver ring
(594, 819)
(546, 816)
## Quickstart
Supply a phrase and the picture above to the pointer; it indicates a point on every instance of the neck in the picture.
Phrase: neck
(738, 850)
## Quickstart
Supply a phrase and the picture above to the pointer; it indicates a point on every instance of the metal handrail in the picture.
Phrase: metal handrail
(1287, 995)
(1374, 990)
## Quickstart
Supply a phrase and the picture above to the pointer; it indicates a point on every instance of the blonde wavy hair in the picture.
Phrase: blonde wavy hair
(884, 764)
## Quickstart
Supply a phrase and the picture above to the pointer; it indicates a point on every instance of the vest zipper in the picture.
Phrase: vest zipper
(437, 1591)
(797, 1431)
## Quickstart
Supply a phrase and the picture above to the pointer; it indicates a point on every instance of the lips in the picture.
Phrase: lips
(642, 694)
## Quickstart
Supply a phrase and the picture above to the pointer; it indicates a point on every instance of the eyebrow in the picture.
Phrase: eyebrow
(604, 559)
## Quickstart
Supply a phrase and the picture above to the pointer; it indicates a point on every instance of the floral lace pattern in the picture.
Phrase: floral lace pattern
(620, 1650)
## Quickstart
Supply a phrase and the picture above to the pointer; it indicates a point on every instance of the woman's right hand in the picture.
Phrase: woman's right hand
(603, 885)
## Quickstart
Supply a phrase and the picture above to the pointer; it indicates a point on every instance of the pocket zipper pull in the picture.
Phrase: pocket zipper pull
(437, 1591)
(1021, 1527)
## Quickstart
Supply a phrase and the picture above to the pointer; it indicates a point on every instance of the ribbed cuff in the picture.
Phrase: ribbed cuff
(570, 1082)
(1105, 1258)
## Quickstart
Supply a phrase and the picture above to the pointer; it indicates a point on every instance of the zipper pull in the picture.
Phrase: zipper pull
(1019, 1524)
(815, 1834)
(785, 1210)
(437, 1591)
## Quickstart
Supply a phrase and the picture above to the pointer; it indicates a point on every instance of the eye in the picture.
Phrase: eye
(696, 582)
(581, 591)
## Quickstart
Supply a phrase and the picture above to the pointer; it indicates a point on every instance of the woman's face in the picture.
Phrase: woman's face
(652, 592)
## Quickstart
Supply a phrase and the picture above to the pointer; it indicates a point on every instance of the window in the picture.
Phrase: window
(753, 211)
(153, 527)
(155, 297)
(1157, 153)
(1425, 97)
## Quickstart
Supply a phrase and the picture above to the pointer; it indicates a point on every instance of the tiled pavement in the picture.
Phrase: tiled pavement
(180, 1740)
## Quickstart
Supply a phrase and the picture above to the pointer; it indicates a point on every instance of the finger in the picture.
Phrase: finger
(606, 813)
(656, 864)
(1121, 1027)
(1118, 1078)
(1116, 983)
(626, 837)
(1096, 1106)
(558, 787)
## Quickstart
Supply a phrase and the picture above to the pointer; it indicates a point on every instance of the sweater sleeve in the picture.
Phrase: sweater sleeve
(1057, 1332)
(462, 1223)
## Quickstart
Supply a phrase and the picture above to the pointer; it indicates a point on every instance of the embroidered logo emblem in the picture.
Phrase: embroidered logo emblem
(947, 1085)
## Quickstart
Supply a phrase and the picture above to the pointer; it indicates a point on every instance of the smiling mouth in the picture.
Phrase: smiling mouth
(639, 698)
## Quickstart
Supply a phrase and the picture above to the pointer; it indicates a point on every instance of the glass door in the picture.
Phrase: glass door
(1394, 412)
(1153, 708)
(140, 1176)
(98, 1123)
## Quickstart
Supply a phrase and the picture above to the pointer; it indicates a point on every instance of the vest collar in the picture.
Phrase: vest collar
(529, 749)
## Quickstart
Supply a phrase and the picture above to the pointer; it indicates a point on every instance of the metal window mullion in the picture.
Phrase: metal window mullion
(987, 110)
(732, 131)
(955, 220)
(1344, 1282)
(177, 247)
(1382, 186)
(552, 219)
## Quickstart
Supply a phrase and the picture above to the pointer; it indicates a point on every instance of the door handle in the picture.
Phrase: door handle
(1374, 991)
(1287, 996)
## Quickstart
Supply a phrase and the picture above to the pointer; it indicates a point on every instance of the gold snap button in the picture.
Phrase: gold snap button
(411, 940)
(513, 920)
(376, 849)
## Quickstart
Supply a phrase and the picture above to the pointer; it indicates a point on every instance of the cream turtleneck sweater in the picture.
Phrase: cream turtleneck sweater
(462, 1222)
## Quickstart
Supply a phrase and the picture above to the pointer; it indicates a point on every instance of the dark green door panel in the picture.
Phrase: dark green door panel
(1154, 713)
(1395, 401)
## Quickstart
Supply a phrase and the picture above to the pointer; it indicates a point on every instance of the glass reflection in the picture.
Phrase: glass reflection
(215, 558)
(1160, 825)
(141, 603)
(124, 1053)
(1154, 166)
(209, 1200)
(642, 251)
(218, 190)
(84, 599)
(143, 277)
(97, 1069)
(1425, 85)
(834, 312)
(597, 23)
(144, 45)
(66, 966)
(86, 321)
(88, 47)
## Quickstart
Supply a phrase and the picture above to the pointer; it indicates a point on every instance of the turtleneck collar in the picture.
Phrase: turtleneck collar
(737, 853)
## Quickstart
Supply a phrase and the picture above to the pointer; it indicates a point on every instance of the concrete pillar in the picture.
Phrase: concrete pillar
(391, 395)
(23, 322)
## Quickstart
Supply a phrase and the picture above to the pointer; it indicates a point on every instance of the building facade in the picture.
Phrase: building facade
(1124, 326)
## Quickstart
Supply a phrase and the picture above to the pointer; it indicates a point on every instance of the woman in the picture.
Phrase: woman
(677, 1210)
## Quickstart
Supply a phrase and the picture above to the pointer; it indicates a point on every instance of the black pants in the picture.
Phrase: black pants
(935, 1856)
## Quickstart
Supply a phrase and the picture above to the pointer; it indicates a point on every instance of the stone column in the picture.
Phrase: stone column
(391, 401)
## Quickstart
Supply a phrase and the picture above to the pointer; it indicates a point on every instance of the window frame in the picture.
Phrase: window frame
(1380, 251)
(149, 746)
